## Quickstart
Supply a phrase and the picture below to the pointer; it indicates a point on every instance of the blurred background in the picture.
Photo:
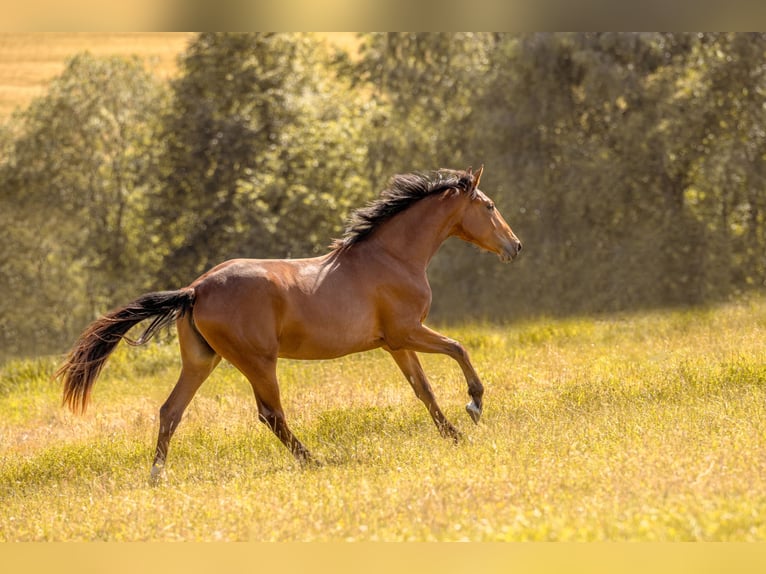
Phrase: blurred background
(631, 165)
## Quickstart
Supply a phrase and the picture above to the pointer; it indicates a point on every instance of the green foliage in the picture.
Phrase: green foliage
(630, 165)
(424, 87)
(263, 153)
(601, 140)
(75, 182)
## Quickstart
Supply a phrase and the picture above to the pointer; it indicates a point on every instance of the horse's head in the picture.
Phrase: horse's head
(482, 224)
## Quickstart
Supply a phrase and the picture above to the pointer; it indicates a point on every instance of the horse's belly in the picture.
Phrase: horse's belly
(314, 349)
(324, 338)
(309, 351)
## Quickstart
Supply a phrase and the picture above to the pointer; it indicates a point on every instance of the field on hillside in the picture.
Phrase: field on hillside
(633, 427)
(28, 61)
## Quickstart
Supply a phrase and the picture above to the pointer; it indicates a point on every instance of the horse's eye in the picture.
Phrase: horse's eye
(490, 206)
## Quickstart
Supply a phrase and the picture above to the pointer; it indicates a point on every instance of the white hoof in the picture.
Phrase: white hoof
(473, 411)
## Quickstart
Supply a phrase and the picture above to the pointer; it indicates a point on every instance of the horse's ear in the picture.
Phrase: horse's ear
(476, 176)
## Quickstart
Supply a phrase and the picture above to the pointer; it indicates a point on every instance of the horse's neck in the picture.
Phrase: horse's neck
(415, 235)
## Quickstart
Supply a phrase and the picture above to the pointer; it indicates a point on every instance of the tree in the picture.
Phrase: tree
(76, 177)
(725, 86)
(589, 129)
(424, 87)
(262, 152)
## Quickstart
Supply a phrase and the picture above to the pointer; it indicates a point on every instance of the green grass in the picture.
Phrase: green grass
(633, 427)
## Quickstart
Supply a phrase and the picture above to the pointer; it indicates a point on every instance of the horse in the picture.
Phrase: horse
(369, 291)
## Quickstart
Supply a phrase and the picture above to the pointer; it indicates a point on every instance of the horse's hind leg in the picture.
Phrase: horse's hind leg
(198, 361)
(262, 374)
(410, 365)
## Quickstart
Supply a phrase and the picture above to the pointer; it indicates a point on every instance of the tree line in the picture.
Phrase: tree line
(630, 165)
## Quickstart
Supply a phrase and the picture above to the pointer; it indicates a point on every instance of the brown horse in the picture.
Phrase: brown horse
(369, 291)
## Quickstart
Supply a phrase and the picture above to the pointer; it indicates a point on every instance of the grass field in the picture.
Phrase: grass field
(632, 427)
(29, 61)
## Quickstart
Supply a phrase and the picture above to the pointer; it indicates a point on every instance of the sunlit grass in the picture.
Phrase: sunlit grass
(28, 61)
(632, 427)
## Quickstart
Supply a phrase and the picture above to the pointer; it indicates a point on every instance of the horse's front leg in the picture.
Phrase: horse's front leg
(426, 340)
(410, 365)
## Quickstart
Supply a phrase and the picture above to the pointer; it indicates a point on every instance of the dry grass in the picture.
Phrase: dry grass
(644, 427)
(28, 61)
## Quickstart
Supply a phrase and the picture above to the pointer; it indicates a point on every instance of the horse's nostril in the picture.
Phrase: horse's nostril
(518, 248)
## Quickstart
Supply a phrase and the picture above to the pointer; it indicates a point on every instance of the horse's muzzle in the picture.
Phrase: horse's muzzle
(510, 250)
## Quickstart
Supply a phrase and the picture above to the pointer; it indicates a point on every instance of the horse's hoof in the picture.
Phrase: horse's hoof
(450, 432)
(307, 461)
(474, 411)
(156, 475)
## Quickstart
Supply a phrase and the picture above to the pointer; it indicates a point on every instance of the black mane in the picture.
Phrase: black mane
(403, 190)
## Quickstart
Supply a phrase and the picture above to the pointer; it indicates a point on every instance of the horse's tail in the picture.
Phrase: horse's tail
(87, 357)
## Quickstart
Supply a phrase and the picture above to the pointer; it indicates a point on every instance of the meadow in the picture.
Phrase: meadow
(28, 61)
(629, 427)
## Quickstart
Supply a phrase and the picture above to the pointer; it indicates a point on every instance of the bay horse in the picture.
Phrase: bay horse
(369, 291)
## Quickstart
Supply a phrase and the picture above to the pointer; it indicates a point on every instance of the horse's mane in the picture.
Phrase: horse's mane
(403, 190)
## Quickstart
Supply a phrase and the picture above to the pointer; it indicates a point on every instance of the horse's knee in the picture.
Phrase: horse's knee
(457, 351)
